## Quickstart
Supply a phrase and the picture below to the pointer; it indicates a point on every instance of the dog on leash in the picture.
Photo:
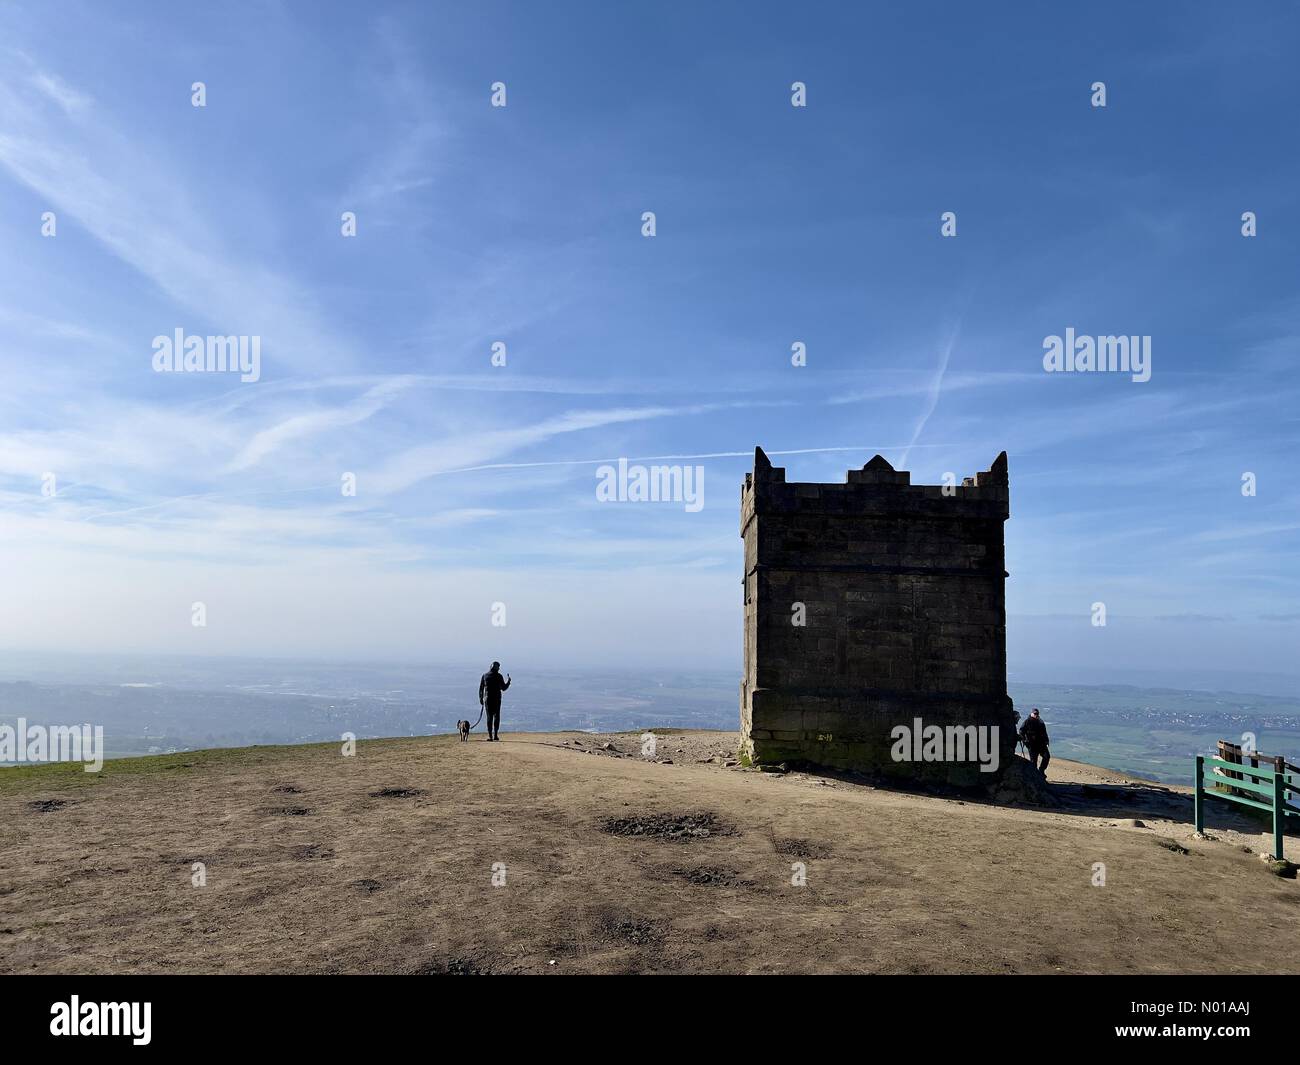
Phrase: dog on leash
(463, 727)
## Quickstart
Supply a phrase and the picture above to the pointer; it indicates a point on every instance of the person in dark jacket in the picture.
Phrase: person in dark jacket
(490, 687)
(1034, 734)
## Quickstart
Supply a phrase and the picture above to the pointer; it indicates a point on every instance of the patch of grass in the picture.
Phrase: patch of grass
(1281, 867)
(14, 780)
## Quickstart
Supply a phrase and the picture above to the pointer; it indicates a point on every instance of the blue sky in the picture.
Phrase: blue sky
(523, 224)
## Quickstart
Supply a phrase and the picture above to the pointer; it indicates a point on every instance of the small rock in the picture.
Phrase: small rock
(666, 761)
(1132, 822)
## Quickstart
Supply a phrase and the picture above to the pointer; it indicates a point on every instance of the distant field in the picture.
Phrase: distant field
(1157, 732)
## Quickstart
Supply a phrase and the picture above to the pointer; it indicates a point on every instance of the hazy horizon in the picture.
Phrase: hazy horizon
(90, 667)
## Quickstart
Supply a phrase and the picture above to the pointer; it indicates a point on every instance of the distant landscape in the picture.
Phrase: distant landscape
(184, 704)
(1155, 733)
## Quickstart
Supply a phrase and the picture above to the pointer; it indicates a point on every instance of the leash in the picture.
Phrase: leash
(481, 708)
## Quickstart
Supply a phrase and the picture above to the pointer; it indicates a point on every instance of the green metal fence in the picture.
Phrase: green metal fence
(1262, 789)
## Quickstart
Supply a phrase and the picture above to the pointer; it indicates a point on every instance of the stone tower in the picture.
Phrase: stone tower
(900, 591)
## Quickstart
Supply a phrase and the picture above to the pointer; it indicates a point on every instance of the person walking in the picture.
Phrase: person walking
(490, 687)
(1034, 734)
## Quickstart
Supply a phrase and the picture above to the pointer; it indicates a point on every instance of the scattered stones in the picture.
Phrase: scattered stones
(1279, 866)
(638, 931)
(47, 806)
(452, 967)
(1171, 845)
(288, 789)
(396, 793)
(676, 828)
(368, 887)
(801, 848)
(284, 811)
(713, 877)
(312, 852)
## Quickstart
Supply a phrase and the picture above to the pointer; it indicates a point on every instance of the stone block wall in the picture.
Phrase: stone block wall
(900, 590)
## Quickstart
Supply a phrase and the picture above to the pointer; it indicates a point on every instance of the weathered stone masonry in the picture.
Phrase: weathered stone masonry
(903, 593)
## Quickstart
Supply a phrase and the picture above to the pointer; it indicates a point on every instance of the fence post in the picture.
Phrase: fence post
(1198, 804)
(1230, 752)
(1279, 813)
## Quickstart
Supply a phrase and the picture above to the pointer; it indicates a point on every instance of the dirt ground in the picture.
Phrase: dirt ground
(384, 862)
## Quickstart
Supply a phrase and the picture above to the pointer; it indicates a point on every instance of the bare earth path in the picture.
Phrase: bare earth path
(383, 862)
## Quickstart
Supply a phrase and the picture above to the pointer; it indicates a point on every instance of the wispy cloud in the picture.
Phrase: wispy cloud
(934, 391)
(299, 426)
(464, 450)
(141, 212)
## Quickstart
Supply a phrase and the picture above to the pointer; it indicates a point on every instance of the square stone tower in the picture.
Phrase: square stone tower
(868, 605)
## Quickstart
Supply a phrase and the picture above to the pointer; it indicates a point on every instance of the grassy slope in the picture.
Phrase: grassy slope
(310, 867)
